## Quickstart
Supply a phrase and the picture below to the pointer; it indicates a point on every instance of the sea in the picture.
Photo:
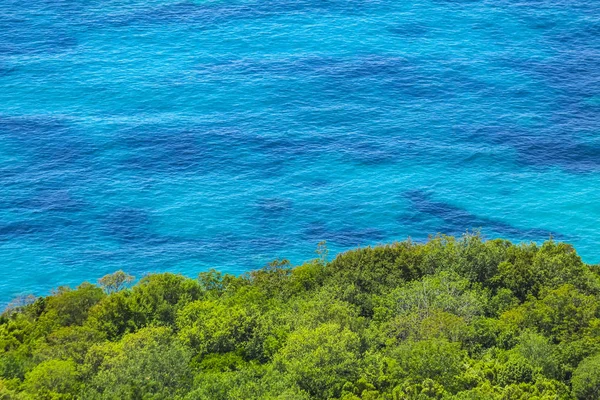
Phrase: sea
(178, 136)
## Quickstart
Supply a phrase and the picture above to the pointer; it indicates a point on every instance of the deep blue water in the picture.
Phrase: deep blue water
(150, 135)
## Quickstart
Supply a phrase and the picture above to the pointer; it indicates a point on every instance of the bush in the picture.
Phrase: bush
(586, 379)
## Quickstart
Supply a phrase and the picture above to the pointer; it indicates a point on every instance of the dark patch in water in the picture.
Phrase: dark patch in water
(410, 30)
(542, 147)
(203, 150)
(44, 228)
(6, 70)
(570, 155)
(20, 37)
(212, 15)
(349, 77)
(345, 236)
(129, 225)
(165, 152)
(48, 139)
(14, 230)
(578, 76)
(28, 125)
(319, 183)
(206, 149)
(542, 24)
(366, 152)
(574, 75)
(42, 181)
(54, 200)
(269, 214)
(274, 206)
(355, 67)
(51, 155)
(456, 220)
(236, 244)
(358, 148)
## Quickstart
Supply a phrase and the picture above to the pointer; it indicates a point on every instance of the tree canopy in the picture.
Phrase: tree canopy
(452, 318)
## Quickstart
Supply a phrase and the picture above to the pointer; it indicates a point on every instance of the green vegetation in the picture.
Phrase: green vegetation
(461, 319)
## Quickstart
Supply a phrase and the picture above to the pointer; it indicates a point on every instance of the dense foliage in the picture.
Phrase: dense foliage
(447, 319)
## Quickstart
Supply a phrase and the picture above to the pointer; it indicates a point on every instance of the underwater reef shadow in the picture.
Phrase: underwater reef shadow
(456, 220)
(346, 236)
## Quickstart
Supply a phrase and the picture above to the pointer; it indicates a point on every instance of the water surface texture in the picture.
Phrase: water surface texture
(150, 135)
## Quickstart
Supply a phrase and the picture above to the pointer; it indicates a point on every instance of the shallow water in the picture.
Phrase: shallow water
(178, 136)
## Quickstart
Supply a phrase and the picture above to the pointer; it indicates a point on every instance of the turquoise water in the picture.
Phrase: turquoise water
(178, 136)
